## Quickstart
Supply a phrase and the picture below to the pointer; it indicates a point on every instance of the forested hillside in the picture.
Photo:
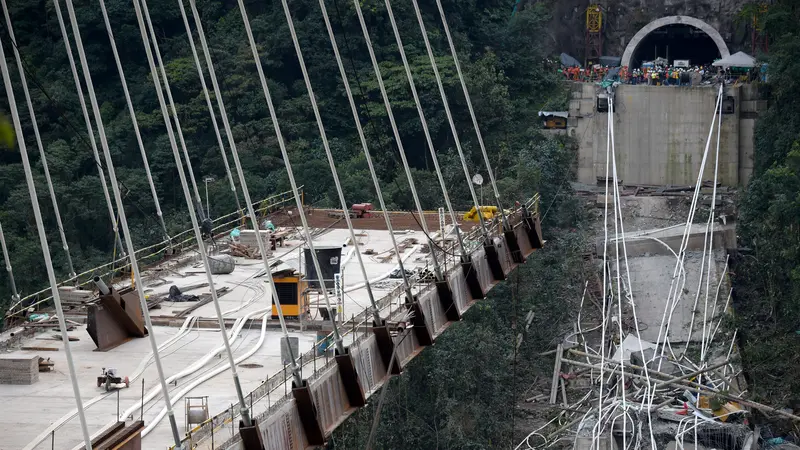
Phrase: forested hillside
(767, 274)
(503, 58)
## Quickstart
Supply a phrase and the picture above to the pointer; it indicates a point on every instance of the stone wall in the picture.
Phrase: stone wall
(661, 133)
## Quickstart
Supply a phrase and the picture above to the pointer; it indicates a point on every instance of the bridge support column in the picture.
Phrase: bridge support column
(421, 330)
(513, 246)
(386, 347)
(493, 258)
(308, 414)
(251, 436)
(471, 276)
(446, 299)
(352, 385)
(533, 226)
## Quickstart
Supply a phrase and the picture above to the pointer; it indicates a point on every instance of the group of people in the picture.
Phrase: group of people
(668, 75)
(663, 75)
(588, 74)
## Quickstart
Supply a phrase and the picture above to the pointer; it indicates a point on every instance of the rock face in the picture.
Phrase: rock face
(623, 18)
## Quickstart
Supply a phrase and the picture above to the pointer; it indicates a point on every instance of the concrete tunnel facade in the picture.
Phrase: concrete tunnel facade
(642, 34)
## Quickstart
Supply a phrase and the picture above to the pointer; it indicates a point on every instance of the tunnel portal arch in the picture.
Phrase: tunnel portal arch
(712, 32)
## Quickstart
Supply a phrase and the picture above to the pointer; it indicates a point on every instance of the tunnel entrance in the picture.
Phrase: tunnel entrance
(675, 37)
(676, 42)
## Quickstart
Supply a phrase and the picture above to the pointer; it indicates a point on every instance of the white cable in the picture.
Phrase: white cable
(132, 113)
(716, 296)
(9, 269)
(395, 131)
(329, 155)
(243, 183)
(24, 81)
(471, 112)
(364, 146)
(618, 205)
(205, 377)
(90, 130)
(183, 331)
(290, 173)
(210, 106)
(112, 176)
(674, 295)
(424, 122)
(595, 437)
(48, 262)
(617, 220)
(699, 284)
(177, 124)
(188, 197)
(711, 236)
(714, 333)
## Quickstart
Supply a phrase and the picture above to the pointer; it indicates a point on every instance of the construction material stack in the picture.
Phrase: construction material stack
(19, 369)
(73, 296)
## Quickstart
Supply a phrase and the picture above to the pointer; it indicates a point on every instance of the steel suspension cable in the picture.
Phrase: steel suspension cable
(176, 120)
(595, 437)
(426, 131)
(629, 297)
(452, 127)
(48, 262)
(674, 294)
(472, 113)
(290, 173)
(9, 269)
(24, 81)
(192, 215)
(90, 132)
(242, 181)
(703, 346)
(210, 108)
(326, 146)
(400, 148)
(364, 146)
(118, 198)
(136, 131)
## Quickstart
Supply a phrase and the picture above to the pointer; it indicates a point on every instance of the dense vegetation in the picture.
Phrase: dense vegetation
(767, 275)
(503, 60)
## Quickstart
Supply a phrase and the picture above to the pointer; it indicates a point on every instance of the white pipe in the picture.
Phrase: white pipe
(154, 422)
(47, 433)
(234, 335)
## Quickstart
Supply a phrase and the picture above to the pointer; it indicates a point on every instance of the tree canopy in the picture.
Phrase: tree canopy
(503, 60)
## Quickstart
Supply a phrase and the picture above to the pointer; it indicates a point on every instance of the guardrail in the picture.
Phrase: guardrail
(153, 253)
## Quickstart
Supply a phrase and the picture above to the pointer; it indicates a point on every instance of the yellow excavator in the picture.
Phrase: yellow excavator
(488, 213)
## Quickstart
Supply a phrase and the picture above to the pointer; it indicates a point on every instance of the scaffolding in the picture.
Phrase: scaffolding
(594, 34)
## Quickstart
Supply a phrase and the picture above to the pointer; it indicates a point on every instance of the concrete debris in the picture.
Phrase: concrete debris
(659, 363)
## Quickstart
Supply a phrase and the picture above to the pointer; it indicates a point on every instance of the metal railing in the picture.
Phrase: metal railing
(155, 252)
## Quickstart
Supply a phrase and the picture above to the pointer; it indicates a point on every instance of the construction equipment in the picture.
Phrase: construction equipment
(110, 380)
(361, 210)
(115, 318)
(594, 34)
(291, 289)
(487, 211)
